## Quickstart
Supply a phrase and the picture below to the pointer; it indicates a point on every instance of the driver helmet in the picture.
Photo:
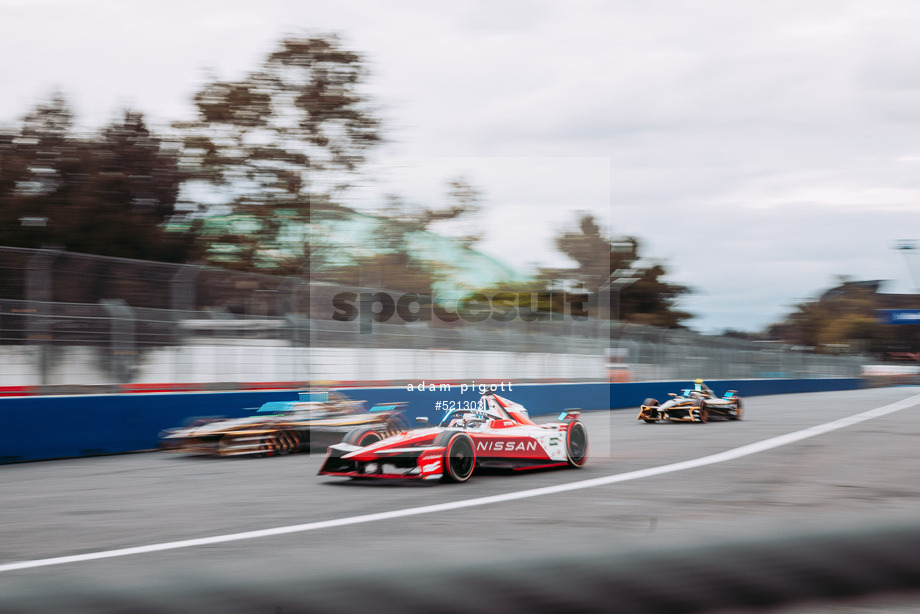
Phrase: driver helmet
(486, 408)
(700, 386)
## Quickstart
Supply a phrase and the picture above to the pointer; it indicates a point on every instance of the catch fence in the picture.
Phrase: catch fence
(72, 323)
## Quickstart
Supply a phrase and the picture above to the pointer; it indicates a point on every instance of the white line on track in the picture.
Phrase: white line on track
(721, 457)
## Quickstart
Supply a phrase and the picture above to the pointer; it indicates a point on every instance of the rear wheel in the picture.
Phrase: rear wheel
(459, 458)
(701, 412)
(739, 410)
(362, 437)
(576, 444)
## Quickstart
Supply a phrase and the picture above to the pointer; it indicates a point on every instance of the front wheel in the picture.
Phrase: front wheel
(576, 444)
(459, 458)
(362, 437)
(650, 402)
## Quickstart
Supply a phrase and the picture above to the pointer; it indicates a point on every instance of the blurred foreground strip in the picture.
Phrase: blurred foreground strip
(876, 568)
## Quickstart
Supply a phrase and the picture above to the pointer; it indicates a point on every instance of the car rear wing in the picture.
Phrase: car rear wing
(568, 414)
(384, 407)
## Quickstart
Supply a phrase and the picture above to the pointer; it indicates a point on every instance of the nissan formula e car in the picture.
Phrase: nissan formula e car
(495, 433)
(315, 419)
(696, 404)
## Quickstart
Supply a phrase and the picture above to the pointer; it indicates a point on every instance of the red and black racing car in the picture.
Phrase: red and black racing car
(495, 433)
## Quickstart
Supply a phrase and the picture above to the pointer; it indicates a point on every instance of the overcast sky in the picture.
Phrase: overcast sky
(759, 149)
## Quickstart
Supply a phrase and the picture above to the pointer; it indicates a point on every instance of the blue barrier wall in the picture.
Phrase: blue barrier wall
(634, 394)
(38, 428)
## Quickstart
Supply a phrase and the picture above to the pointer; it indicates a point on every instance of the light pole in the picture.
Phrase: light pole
(909, 247)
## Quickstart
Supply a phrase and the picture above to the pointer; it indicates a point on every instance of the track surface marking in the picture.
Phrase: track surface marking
(720, 457)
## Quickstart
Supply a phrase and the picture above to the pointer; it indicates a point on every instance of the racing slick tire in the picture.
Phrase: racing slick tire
(739, 410)
(576, 444)
(288, 442)
(701, 411)
(459, 456)
(279, 443)
(650, 402)
(362, 437)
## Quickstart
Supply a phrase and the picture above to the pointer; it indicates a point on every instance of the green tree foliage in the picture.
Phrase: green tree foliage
(399, 262)
(287, 136)
(107, 194)
(653, 301)
(825, 321)
(649, 300)
(594, 253)
(392, 271)
(463, 202)
(843, 319)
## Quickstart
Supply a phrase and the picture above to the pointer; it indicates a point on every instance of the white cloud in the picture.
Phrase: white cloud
(759, 149)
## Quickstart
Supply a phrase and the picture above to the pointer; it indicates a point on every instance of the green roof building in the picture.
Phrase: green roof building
(338, 238)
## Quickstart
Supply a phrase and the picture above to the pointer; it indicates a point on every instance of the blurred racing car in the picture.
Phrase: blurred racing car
(315, 419)
(696, 404)
(495, 433)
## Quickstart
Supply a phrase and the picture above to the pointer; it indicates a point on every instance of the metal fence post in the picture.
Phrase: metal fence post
(123, 350)
(39, 295)
(182, 288)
